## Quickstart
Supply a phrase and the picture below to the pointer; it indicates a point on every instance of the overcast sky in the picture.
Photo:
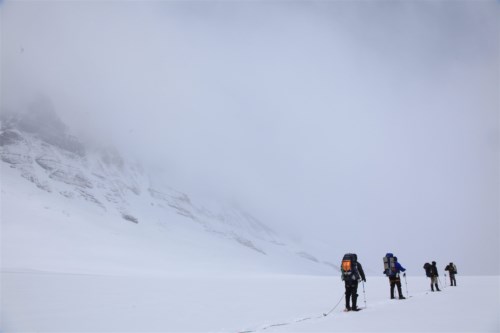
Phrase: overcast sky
(368, 126)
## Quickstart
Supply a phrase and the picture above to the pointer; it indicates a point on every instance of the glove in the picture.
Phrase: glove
(404, 274)
(364, 280)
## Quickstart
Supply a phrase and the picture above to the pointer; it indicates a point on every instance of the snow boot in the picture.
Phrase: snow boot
(400, 292)
(354, 300)
(347, 303)
(437, 288)
(392, 291)
(432, 287)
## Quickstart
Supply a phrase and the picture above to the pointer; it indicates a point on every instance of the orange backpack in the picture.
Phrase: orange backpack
(349, 267)
(346, 265)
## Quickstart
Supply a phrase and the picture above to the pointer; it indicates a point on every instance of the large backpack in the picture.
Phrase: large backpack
(427, 268)
(349, 267)
(454, 268)
(390, 265)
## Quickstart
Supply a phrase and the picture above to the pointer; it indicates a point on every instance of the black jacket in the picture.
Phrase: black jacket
(450, 269)
(434, 270)
(361, 272)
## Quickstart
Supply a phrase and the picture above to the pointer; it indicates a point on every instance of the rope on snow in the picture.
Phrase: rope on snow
(296, 321)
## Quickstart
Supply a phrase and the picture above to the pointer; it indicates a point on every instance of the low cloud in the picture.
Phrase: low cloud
(369, 123)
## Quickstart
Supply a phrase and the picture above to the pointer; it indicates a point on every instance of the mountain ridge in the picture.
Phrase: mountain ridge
(101, 179)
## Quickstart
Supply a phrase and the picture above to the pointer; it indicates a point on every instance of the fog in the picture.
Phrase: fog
(354, 126)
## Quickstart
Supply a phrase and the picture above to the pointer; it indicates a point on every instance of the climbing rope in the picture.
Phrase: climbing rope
(295, 321)
(340, 300)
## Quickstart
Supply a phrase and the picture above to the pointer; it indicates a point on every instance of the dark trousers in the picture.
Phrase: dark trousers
(434, 282)
(453, 281)
(395, 281)
(351, 291)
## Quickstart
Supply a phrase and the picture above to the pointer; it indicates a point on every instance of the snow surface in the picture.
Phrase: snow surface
(58, 302)
(47, 232)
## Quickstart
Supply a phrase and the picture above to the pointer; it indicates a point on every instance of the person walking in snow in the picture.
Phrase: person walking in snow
(434, 276)
(392, 269)
(452, 269)
(352, 273)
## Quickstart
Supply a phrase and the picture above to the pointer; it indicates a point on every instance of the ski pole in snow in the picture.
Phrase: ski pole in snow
(364, 294)
(406, 283)
(445, 280)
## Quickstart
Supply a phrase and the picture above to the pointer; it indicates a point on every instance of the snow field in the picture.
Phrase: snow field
(57, 302)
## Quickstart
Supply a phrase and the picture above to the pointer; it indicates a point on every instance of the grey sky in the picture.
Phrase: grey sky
(366, 126)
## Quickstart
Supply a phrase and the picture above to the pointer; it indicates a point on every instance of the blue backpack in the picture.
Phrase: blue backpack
(390, 265)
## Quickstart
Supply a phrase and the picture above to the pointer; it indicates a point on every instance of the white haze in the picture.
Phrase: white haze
(361, 126)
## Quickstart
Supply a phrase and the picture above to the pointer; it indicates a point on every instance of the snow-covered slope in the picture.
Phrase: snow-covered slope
(70, 206)
(50, 302)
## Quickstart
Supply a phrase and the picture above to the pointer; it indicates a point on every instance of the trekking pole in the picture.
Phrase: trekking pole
(406, 283)
(364, 294)
(445, 280)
